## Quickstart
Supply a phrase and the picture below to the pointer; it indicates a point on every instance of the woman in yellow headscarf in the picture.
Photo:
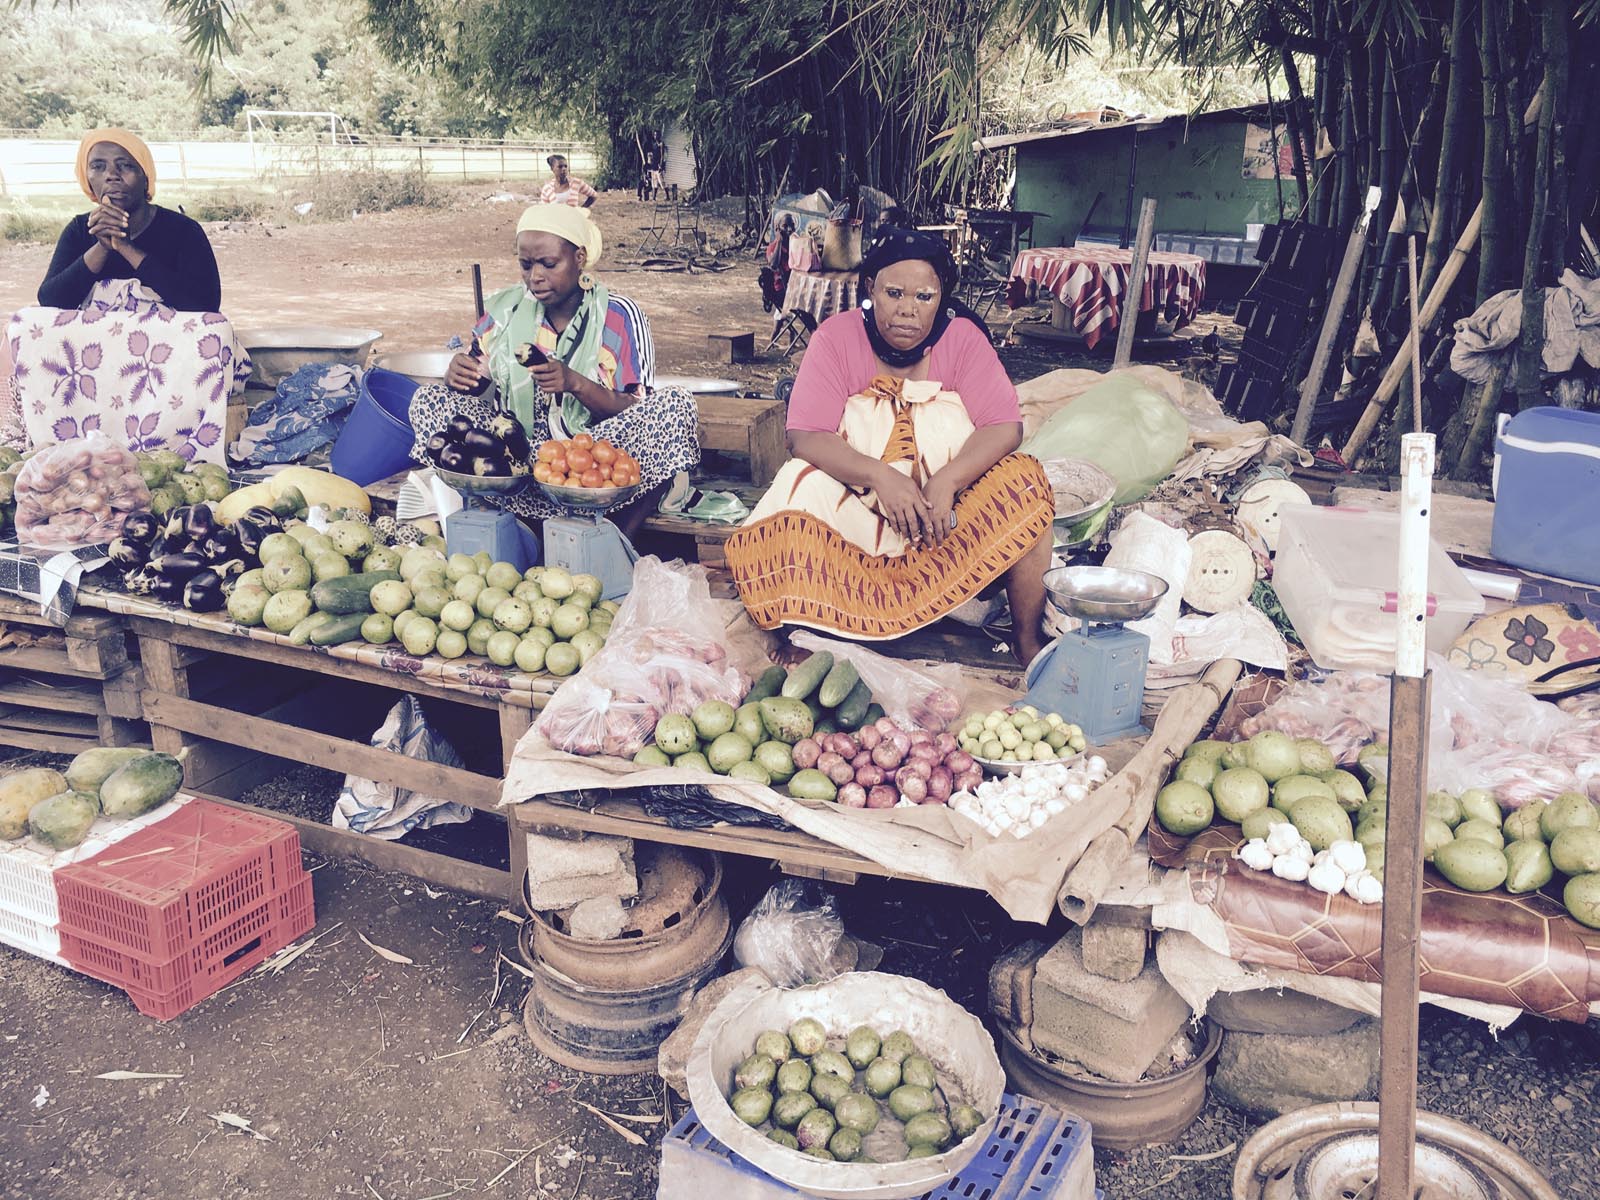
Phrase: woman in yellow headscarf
(596, 380)
(126, 236)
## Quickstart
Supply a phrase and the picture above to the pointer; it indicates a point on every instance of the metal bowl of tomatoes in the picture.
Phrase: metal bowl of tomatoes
(584, 463)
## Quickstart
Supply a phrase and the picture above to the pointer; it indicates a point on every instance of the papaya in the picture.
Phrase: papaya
(146, 783)
(63, 820)
(20, 791)
(93, 767)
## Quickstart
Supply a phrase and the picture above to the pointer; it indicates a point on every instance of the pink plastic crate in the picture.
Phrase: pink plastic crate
(165, 890)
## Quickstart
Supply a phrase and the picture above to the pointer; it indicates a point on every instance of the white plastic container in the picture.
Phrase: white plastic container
(1336, 575)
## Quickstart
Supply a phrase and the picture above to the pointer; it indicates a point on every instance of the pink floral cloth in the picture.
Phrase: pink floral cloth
(128, 366)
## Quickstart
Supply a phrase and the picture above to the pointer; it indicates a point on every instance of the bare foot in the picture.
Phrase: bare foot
(1026, 648)
(786, 654)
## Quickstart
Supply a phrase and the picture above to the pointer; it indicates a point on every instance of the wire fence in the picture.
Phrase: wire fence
(40, 167)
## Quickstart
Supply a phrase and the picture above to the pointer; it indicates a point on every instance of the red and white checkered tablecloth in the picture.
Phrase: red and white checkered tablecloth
(1090, 282)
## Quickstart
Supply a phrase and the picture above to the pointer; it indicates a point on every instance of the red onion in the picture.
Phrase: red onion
(919, 736)
(869, 775)
(886, 755)
(805, 753)
(852, 795)
(939, 785)
(841, 771)
(843, 745)
(864, 759)
(969, 779)
(885, 726)
(827, 760)
(926, 752)
(959, 761)
(947, 743)
(882, 796)
(912, 786)
(902, 742)
(869, 737)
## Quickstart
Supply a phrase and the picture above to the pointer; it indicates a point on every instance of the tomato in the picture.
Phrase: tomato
(592, 479)
(541, 472)
(579, 460)
(548, 451)
(604, 452)
(604, 469)
(583, 442)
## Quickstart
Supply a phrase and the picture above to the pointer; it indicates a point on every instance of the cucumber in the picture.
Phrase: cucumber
(349, 593)
(807, 677)
(146, 783)
(334, 630)
(841, 678)
(300, 635)
(768, 686)
(853, 710)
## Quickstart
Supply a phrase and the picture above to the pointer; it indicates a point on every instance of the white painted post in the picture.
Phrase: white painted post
(1416, 492)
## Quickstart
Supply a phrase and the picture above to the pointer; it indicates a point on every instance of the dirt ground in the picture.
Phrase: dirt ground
(366, 1078)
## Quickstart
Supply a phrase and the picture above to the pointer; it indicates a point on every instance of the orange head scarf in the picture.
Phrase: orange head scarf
(131, 142)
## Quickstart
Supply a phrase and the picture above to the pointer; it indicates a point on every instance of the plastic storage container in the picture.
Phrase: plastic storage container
(1546, 478)
(376, 439)
(1336, 574)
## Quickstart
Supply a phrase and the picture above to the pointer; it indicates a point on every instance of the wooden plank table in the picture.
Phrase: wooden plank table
(66, 689)
(240, 705)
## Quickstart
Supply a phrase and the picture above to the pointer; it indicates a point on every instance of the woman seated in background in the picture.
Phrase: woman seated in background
(905, 497)
(127, 236)
(596, 376)
(115, 345)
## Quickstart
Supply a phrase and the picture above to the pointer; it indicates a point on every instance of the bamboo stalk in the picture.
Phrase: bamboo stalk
(1332, 318)
(1490, 254)
(1431, 308)
(1530, 346)
(1482, 403)
(1447, 185)
(1134, 787)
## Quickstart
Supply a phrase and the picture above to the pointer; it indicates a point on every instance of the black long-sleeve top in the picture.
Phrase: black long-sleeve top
(179, 265)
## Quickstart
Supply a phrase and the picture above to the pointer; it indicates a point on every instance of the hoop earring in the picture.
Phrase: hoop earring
(586, 281)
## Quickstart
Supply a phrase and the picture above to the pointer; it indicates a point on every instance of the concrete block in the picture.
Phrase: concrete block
(563, 858)
(1270, 1074)
(565, 893)
(672, 1060)
(1266, 1010)
(1011, 983)
(1114, 951)
(1114, 1028)
(597, 920)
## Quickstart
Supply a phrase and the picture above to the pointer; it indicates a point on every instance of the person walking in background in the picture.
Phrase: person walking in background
(565, 187)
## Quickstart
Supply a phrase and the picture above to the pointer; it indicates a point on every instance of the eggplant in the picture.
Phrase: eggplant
(266, 519)
(178, 519)
(139, 528)
(490, 466)
(199, 522)
(436, 444)
(141, 582)
(203, 593)
(127, 555)
(519, 466)
(231, 569)
(179, 568)
(454, 458)
(460, 425)
(169, 591)
(249, 536)
(220, 544)
(516, 442)
(477, 442)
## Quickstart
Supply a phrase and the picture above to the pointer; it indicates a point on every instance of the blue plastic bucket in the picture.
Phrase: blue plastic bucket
(377, 437)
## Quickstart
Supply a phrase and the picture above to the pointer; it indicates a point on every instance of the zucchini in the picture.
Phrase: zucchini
(853, 710)
(338, 629)
(807, 677)
(349, 593)
(768, 686)
(300, 635)
(842, 677)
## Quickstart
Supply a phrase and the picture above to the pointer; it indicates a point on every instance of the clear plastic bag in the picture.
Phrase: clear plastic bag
(77, 492)
(916, 696)
(1124, 426)
(791, 936)
(1344, 710)
(667, 653)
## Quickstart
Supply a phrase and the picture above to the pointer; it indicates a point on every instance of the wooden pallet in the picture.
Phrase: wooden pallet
(707, 540)
(67, 689)
(283, 705)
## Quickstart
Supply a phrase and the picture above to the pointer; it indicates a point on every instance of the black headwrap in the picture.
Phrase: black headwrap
(892, 245)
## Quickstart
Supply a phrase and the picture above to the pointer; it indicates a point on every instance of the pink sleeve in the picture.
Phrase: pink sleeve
(970, 366)
(829, 375)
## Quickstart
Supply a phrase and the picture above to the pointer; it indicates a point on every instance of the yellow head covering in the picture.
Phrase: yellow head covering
(564, 221)
(131, 142)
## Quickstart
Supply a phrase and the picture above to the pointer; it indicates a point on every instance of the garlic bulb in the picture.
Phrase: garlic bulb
(1369, 888)
(1326, 877)
(1283, 838)
(1351, 857)
(1291, 867)
(1255, 855)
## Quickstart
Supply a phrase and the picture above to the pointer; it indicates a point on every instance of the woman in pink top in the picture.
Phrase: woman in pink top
(905, 497)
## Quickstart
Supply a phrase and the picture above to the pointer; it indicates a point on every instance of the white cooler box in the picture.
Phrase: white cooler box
(1546, 484)
(1337, 575)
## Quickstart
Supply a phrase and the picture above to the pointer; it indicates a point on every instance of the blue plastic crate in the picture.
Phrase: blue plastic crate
(1036, 1152)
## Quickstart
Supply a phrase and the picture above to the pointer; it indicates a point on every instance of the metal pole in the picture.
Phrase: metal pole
(1133, 293)
(1402, 876)
(1133, 172)
(1333, 318)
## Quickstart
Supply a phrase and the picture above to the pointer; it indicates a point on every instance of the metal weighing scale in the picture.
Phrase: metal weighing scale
(1094, 676)
(586, 542)
(484, 528)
